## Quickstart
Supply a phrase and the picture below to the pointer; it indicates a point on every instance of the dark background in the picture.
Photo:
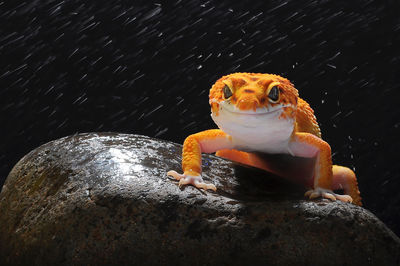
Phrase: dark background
(146, 68)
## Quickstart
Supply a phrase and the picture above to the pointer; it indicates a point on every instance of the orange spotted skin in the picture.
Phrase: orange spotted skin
(281, 117)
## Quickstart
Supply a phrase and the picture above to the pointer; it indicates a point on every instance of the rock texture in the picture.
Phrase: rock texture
(99, 199)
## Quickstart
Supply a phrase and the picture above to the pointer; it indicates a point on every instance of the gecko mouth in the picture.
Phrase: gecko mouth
(248, 118)
(254, 126)
(258, 112)
(252, 113)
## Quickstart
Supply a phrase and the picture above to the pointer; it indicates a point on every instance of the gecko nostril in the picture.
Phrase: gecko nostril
(248, 104)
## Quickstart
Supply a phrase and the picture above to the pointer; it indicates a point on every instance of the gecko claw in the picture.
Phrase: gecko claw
(195, 180)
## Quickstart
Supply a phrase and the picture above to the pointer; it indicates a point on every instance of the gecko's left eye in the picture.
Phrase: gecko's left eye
(273, 94)
(227, 92)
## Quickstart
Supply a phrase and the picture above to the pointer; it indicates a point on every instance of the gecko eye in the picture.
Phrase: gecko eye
(227, 92)
(273, 94)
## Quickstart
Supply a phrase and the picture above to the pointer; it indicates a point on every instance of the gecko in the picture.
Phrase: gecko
(263, 113)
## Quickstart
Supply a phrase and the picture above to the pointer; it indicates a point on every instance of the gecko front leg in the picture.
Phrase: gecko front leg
(308, 145)
(208, 141)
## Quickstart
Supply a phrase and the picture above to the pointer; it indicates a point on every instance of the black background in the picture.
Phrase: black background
(146, 68)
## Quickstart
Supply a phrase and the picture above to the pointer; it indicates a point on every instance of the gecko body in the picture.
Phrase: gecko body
(263, 113)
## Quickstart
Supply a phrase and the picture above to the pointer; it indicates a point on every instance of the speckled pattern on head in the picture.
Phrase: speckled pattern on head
(253, 85)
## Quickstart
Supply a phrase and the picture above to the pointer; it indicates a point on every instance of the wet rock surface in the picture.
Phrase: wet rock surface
(105, 199)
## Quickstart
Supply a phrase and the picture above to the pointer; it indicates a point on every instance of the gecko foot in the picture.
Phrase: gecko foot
(327, 194)
(195, 180)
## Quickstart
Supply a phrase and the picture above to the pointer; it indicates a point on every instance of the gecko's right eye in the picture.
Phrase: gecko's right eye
(273, 94)
(227, 92)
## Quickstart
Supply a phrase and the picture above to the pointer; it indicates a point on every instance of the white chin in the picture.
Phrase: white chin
(256, 131)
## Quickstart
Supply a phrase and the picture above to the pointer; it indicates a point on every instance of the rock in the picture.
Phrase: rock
(105, 199)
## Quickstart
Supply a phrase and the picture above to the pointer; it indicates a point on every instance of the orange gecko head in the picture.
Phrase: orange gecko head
(250, 91)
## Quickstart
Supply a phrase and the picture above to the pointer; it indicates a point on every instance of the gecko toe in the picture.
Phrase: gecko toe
(308, 193)
(199, 183)
(328, 196)
(183, 181)
(344, 198)
(314, 195)
(175, 175)
(209, 186)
